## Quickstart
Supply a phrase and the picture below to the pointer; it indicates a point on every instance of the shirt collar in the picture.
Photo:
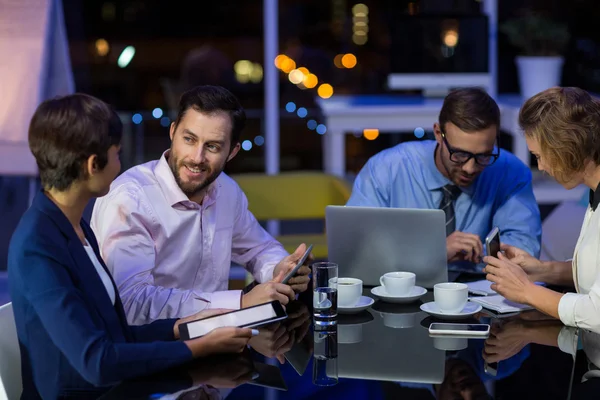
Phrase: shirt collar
(170, 188)
(434, 179)
(595, 198)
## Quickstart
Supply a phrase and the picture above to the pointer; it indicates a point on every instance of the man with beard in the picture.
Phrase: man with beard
(462, 172)
(169, 229)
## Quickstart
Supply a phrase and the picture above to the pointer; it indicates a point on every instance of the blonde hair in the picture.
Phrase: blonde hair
(566, 124)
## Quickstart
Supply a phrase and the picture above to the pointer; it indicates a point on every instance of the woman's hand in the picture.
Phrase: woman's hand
(199, 315)
(508, 278)
(221, 340)
(506, 340)
(532, 266)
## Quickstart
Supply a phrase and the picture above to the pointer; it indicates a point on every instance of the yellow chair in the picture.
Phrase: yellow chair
(292, 196)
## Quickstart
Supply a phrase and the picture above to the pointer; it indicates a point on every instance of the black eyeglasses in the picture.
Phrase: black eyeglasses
(462, 157)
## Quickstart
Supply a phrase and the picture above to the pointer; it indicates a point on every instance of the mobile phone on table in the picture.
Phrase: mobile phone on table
(472, 330)
(492, 242)
(250, 317)
(297, 267)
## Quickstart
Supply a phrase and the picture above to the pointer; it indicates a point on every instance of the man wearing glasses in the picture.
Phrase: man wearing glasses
(462, 172)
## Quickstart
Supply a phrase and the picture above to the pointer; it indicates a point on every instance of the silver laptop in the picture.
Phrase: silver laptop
(367, 242)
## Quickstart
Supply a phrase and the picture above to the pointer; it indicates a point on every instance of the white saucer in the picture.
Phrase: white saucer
(432, 309)
(415, 294)
(363, 303)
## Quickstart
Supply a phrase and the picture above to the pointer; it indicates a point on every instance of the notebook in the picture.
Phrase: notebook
(500, 304)
(482, 288)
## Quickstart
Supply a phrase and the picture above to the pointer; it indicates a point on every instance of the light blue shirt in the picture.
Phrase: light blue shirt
(405, 176)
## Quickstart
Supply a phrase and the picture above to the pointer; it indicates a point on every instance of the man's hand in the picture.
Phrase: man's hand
(269, 291)
(299, 282)
(464, 247)
(298, 320)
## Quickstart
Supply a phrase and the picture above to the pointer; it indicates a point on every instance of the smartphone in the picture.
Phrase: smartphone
(268, 376)
(250, 317)
(297, 267)
(474, 330)
(492, 242)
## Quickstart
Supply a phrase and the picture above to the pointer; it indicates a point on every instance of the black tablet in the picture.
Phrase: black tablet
(249, 317)
(268, 376)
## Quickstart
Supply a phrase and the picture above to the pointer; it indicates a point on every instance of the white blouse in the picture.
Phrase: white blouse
(582, 309)
(110, 289)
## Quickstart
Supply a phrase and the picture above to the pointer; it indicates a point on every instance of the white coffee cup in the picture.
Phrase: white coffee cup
(350, 333)
(398, 283)
(450, 343)
(450, 297)
(349, 291)
(404, 320)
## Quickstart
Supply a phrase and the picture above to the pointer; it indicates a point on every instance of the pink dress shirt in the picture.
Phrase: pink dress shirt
(170, 257)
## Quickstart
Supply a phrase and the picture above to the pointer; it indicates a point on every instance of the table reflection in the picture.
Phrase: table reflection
(386, 352)
(586, 379)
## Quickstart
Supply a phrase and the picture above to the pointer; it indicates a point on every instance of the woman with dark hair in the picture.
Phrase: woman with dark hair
(72, 329)
(562, 129)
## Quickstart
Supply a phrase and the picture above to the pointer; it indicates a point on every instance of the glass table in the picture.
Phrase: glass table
(386, 352)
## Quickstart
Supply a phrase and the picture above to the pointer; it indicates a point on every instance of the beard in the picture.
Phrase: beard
(460, 178)
(193, 188)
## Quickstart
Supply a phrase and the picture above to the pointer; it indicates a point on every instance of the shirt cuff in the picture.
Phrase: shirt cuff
(567, 340)
(228, 299)
(566, 308)
(266, 272)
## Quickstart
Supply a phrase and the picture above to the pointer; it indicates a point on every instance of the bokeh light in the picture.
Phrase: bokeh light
(371, 134)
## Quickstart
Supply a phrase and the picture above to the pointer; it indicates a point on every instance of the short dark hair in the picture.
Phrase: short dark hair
(209, 99)
(65, 131)
(470, 109)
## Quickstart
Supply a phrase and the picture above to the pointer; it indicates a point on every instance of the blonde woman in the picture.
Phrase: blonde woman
(562, 129)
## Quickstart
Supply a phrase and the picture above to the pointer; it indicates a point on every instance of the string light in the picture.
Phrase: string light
(419, 132)
(302, 112)
(371, 134)
(247, 145)
(126, 56)
(337, 61)
(102, 47)
(360, 24)
(157, 113)
(349, 60)
(304, 79)
(259, 140)
(247, 71)
(310, 81)
(290, 106)
(296, 76)
(325, 91)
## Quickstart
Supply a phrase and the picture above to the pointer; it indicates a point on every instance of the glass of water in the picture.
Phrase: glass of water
(325, 366)
(325, 281)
